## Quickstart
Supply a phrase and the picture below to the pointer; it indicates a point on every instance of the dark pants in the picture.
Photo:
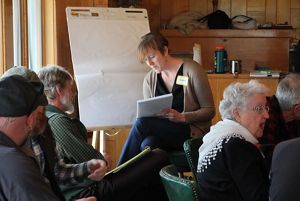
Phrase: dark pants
(138, 182)
(155, 133)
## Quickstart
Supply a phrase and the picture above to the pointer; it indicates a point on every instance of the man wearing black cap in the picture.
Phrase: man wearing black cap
(21, 102)
(43, 145)
(22, 114)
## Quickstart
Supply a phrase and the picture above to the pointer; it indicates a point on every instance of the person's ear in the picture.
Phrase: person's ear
(236, 114)
(296, 109)
(30, 121)
(59, 90)
(166, 50)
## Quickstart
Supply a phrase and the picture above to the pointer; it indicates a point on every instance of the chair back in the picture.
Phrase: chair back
(179, 159)
(191, 147)
(177, 188)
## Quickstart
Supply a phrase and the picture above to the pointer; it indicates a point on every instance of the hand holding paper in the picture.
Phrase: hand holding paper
(172, 115)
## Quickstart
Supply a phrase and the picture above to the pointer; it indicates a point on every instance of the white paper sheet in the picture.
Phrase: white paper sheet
(152, 106)
(104, 53)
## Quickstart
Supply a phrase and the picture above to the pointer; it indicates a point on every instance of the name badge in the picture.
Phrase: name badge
(182, 80)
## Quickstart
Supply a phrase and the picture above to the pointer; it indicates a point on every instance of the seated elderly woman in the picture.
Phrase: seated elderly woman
(230, 165)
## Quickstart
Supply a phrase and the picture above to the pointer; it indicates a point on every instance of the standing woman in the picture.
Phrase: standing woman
(230, 166)
(192, 107)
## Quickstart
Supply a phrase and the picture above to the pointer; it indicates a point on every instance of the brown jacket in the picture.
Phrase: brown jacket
(198, 101)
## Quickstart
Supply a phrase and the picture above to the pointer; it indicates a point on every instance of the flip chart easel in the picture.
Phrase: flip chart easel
(108, 75)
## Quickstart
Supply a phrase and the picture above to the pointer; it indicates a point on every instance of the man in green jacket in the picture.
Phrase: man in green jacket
(139, 181)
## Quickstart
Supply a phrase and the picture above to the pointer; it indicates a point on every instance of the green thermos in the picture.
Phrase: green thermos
(220, 59)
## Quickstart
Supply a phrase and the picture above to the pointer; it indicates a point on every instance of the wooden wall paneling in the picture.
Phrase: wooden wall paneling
(238, 7)
(8, 54)
(180, 6)
(209, 6)
(120, 140)
(2, 46)
(63, 51)
(171, 8)
(154, 13)
(297, 34)
(199, 5)
(110, 149)
(225, 6)
(283, 11)
(167, 12)
(295, 4)
(295, 17)
(271, 84)
(271, 14)
(113, 3)
(254, 51)
(24, 33)
(264, 47)
(295, 13)
(49, 32)
(256, 9)
(256, 5)
(259, 16)
(100, 3)
(56, 48)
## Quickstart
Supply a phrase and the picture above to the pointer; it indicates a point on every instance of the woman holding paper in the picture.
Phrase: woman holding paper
(192, 106)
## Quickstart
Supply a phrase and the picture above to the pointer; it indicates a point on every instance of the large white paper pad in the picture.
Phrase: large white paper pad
(152, 106)
(108, 74)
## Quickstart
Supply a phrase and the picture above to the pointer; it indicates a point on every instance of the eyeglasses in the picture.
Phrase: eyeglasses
(260, 109)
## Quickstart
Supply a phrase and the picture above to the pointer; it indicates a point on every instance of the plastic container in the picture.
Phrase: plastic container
(220, 59)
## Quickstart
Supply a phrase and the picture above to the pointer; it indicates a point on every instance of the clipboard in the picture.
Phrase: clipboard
(152, 106)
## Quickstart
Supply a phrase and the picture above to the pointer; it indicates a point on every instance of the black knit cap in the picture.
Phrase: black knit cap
(20, 97)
